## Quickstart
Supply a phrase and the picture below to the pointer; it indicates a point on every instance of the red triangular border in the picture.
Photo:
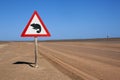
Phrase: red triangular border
(35, 35)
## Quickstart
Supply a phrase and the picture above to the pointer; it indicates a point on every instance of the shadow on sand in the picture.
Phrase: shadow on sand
(23, 62)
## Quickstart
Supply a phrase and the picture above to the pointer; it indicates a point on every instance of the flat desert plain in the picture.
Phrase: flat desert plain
(61, 60)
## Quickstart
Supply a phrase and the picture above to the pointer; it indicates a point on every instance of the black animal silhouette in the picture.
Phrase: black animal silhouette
(36, 27)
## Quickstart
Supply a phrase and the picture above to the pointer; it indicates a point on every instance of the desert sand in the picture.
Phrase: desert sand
(61, 60)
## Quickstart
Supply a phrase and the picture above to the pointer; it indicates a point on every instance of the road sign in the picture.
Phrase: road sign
(35, 27)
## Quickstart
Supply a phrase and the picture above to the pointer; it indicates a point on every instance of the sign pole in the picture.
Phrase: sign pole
(36, 52)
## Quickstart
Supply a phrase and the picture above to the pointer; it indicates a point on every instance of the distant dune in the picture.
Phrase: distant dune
(94, 39)
(70, 40)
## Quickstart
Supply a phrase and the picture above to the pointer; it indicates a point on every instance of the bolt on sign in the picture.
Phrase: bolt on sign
(35, 28)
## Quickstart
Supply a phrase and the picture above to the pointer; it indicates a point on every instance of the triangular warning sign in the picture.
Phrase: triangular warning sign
(35, 27)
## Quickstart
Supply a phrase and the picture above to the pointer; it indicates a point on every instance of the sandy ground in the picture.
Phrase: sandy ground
(89, 60)
(17, 61)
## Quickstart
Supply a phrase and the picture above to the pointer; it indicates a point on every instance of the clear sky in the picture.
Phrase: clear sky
(65, 19)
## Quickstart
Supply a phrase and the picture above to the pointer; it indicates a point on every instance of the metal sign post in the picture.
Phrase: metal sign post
(36, 52)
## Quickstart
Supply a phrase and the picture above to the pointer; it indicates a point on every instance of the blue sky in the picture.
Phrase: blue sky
(65, 19)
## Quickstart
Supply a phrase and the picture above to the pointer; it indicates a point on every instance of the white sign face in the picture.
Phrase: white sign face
(35, 27)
